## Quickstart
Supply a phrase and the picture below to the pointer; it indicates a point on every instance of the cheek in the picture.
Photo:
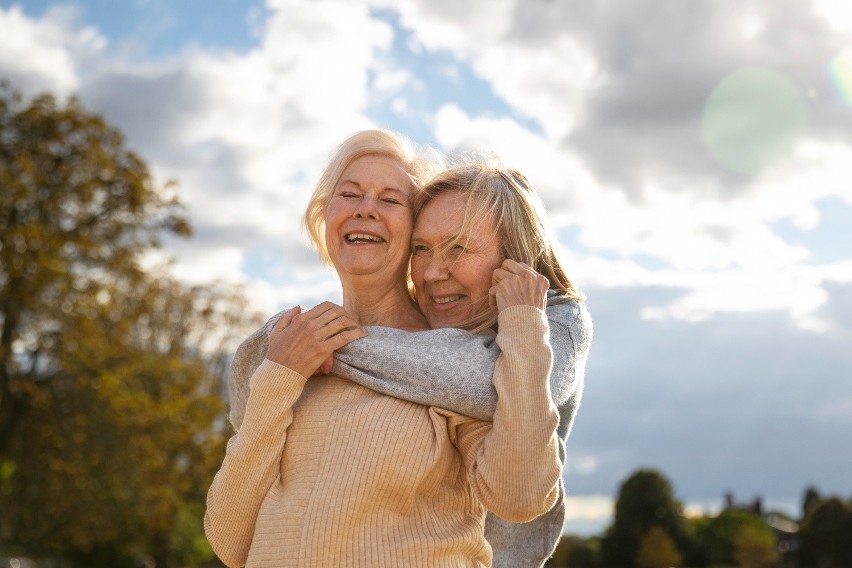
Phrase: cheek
(480, 277)
(403, 226)
(417, 270)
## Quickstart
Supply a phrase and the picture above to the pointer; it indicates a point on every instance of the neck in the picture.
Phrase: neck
(376, 303)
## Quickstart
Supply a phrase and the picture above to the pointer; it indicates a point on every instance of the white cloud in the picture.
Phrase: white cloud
(247, 133)
(558, 176)
(40, 55)
(723, 254)
(544, 81)
(836, 13)
(455, 26)
(587, 515)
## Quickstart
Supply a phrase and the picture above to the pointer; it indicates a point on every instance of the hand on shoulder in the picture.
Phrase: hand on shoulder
(305, 341)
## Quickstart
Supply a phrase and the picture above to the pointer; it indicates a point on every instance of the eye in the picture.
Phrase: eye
(419, 249)
(392, 201)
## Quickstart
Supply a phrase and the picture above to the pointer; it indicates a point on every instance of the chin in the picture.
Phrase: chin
(437, 322)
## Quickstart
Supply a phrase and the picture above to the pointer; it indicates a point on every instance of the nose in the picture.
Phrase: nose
(366, 208)
(437, 268)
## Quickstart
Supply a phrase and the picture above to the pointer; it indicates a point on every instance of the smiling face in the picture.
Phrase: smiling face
(452, 284)
(368, 218)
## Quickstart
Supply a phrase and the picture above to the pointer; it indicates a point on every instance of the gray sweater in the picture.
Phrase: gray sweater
(451, 368)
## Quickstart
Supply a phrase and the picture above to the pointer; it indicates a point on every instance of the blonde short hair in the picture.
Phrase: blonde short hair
(507, 197)
(375, 142)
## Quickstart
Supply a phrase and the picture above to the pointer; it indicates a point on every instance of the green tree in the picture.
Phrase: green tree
(645, 500)
(76, 210)
(576, 552)
(718, 538)
(754, 547)
(810, 500)
(111, 377)
(657, 550)
(826, 535)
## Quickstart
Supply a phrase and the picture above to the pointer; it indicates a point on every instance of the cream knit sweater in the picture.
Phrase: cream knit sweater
(324, 472)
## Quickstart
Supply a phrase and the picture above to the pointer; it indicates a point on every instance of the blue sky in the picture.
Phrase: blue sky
(695, 159)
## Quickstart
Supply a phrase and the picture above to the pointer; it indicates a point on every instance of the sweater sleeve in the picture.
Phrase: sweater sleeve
(250, 354)
(456, 375)
(456, 371)
(252, 462)
(448, 368)
(513, 463)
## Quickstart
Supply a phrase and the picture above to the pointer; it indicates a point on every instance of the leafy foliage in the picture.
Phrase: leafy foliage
(754, 547)
(733, 535)
(826, 534)
(645, 500)
(657, 550)
(576, 552)
(111, 377)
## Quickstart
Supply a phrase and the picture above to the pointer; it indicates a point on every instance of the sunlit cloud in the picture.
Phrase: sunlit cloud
(40, 54)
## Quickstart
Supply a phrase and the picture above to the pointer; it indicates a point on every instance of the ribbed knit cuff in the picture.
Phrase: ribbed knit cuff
(521, 317)
(280, 376)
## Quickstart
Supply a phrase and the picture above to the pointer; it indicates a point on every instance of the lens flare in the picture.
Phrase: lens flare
(840, 69)
(753, 117)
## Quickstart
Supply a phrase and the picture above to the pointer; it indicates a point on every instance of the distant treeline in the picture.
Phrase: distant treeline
(650, 530)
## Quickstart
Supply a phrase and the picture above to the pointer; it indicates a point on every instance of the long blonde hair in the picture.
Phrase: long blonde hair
(506, 197)
(376, 142)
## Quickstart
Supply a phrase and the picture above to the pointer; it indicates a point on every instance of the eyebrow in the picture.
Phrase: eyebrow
(345, 181)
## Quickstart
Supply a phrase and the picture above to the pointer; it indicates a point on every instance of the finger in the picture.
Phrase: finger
(286, 318)
(332, 321)
(343, 338)
(324, 308)
(499, 274)
(333, 315)
(326, 312)
(512, 266)
(492, 296)
(339, 325)
(519, 268)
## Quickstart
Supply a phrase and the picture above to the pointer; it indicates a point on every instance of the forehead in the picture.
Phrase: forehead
(444, 218)
(375, 170)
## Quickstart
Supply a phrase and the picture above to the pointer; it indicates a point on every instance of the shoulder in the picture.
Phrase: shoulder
(570, 314)
(570, 325)
(252, 350)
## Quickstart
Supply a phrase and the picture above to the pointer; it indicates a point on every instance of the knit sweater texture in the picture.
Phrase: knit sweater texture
(453, 369)
(325, 472)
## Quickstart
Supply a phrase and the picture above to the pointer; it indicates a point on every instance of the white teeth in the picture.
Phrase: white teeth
(448, 299)
(351, 237)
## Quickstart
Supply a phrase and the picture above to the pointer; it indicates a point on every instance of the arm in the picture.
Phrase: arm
(252, 462)
(513, 463)
(296, 347)
(456, 371)
(250, 354)
(448, 368)
(457, 376)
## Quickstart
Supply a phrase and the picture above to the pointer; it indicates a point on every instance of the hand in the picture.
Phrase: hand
(304, 341)
(517, 284)
(284, 319)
